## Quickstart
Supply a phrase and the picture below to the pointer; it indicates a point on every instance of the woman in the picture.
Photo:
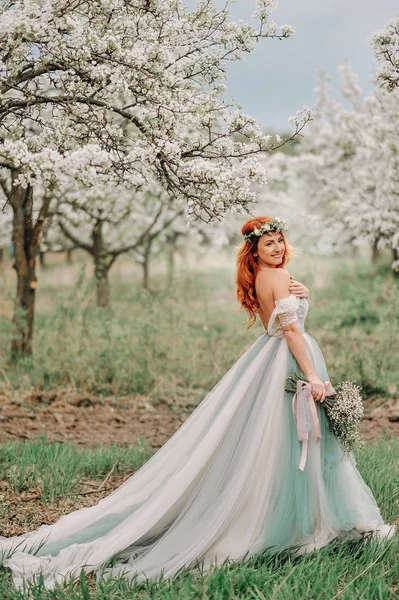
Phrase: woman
(234, 479)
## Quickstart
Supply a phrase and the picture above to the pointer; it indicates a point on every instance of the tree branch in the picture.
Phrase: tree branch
(140, 240)
(88, 100)
(26, 74)
(75, 239)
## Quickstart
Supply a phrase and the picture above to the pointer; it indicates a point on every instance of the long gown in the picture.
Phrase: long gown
(226, 485)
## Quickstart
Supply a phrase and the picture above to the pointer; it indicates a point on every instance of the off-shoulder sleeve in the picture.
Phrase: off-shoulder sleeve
(286, 310)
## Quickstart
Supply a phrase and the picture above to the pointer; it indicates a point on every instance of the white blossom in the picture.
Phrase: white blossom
(344, 177)
(132, 79)
(385, 43)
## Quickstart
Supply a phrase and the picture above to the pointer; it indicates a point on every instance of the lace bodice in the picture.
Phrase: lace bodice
(287, 311)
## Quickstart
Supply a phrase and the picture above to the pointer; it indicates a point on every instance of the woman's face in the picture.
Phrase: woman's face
(270, 249)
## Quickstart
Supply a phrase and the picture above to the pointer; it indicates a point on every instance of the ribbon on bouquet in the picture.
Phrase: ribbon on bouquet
(305, 415)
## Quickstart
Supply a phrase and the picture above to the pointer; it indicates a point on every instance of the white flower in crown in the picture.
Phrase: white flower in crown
(278, 224)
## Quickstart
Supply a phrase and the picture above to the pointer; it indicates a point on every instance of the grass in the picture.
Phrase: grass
(167, 343)
(175, 343)
(57, 469)
(355, 318)
(362, 569)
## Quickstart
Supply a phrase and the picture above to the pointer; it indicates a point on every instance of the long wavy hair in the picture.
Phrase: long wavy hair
(247, 268)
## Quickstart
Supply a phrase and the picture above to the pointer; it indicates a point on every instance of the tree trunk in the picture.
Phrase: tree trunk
(146, 264)
(26, 236)
(1, 260)
(101, 266)
(69, 256)
(25, 251)
(375, 252)
(42, 259)
(146, 274)
(395, 256)
(103, 291)
(171, 265)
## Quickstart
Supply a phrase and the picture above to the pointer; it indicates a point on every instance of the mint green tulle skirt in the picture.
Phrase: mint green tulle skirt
(226, 485)
(329, 498)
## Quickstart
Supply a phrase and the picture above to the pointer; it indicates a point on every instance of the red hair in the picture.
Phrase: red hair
(247, 267)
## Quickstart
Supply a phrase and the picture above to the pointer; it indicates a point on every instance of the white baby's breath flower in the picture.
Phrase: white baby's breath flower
(344, 411)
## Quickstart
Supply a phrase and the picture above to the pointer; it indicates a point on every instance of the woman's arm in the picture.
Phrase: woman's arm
(294, 336)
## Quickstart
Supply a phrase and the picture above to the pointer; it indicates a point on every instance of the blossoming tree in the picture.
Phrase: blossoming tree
(76, 75)
(385, 44)
(108, 220)
(5, 225)
(345, 174)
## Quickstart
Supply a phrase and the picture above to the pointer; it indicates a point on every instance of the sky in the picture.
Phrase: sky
(280, 77)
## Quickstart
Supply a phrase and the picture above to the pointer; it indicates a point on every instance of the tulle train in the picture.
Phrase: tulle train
(225, 485)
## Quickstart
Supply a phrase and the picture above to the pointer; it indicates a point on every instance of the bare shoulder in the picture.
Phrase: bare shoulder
(275, 274)
(282, 273)
(275, 282)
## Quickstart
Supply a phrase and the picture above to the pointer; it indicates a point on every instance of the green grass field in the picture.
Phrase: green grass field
(362, 569)
(176, 343)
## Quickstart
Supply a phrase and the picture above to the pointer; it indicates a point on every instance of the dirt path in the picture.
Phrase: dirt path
(90, 421)
(87, 420)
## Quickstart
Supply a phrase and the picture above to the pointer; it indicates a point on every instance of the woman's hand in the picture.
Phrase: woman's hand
(318, 389)
(298, 289)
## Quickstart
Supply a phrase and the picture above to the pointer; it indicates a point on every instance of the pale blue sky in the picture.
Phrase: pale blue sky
(280, 76)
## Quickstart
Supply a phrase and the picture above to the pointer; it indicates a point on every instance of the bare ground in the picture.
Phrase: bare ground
(90, 421)
(87, 420)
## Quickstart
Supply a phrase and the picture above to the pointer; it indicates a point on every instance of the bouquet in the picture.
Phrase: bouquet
(344, 410)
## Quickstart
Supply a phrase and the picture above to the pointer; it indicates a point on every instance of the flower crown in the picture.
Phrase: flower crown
(278, 224)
